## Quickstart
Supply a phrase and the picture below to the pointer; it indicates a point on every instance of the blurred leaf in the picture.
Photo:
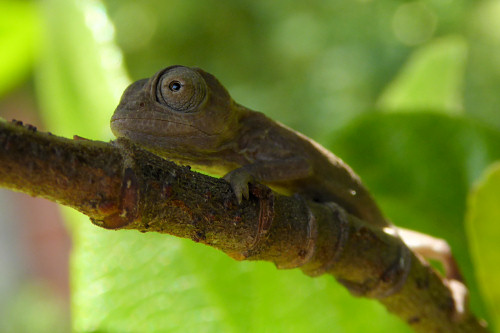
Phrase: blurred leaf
(483, 69)
(19, 34)
(484, 236)
(154, 283)
(420, 168)
(432, 79)
(314, 66)
(130, 282)
(80, 76)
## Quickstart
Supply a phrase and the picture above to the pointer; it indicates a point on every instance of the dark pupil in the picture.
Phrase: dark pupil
(175, 86)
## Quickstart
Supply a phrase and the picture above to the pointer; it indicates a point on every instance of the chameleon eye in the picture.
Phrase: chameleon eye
(181, 89)
(175, 85)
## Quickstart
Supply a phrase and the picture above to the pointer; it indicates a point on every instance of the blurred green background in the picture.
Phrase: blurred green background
(407, 92)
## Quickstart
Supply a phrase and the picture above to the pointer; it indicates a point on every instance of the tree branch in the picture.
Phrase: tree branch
(120, 186)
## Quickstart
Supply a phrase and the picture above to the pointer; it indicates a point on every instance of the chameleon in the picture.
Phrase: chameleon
(186, 115)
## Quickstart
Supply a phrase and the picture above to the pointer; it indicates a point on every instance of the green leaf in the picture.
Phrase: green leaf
(484, 235)
(80, 75)
(432, 79)
(482, 83)
(130, 282)
(125, 281)
(19, 36)
(420, 167)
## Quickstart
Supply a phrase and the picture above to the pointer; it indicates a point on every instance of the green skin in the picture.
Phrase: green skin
(185, 115)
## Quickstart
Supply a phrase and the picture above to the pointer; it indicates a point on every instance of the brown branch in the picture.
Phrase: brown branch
(121, 186)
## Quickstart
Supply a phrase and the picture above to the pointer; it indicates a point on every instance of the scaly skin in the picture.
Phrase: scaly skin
(185, 115)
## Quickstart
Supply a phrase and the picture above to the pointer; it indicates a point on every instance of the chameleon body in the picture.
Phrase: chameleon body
(185, 115)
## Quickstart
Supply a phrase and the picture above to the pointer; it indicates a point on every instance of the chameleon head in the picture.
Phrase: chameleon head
(179, 110)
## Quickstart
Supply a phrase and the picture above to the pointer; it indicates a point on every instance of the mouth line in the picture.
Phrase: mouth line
(164, 120)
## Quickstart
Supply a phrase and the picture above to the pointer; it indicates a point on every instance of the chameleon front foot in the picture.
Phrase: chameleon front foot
(239, 179)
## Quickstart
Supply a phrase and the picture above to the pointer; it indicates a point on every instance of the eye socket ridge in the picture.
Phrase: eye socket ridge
(180, 89)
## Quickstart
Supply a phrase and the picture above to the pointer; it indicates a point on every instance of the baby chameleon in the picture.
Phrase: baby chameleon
(185, 115)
